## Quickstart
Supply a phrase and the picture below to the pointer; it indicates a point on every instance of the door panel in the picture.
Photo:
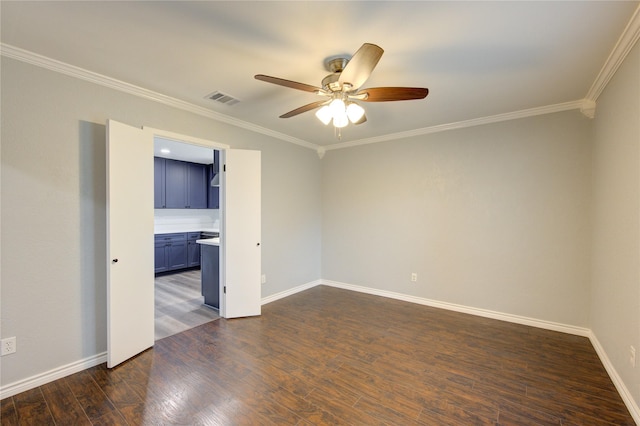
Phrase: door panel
(241, 209)
(130, 242)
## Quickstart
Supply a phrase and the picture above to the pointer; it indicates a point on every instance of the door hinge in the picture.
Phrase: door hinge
(224, 289)
(224, 167)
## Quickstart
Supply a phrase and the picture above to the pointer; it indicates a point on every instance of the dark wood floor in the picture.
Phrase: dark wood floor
(330, 356)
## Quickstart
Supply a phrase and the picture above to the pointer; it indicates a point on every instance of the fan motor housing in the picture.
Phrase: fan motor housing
(335, 65)
(331, 83)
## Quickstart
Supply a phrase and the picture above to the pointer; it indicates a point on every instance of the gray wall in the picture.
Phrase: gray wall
(538, 217)
(53, 210)
(493, 217)
(615, 297)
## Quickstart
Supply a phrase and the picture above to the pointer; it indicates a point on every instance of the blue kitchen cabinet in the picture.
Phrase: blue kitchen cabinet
(210, 266)
(196, 186)
(175, 173)
(170, 252)
(193, 249)
(177, 252)
(158, 183)
(213, 198)
(179, 184)
(161, 261)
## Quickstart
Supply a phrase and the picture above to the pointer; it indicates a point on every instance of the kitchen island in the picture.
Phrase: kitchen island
(210, 271)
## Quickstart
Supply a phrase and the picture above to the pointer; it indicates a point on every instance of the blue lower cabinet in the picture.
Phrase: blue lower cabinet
(193, 249)
(160, 257)
(211, 275)
(177, 252)
(171, 252)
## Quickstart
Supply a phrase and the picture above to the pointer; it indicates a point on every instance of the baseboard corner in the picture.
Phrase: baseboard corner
(291, 291)
(51, 375)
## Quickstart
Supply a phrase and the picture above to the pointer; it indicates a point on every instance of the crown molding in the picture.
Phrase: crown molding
(566, 106)
(623, 46)
(625, 43)
(112, 83)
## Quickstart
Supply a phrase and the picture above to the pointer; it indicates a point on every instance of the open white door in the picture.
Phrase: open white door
(130, 276)
(241, 234)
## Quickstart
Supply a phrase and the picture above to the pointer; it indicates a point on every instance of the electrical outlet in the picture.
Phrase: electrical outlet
(414, 277)
(264, 278)
(7, 346)
(632, 356)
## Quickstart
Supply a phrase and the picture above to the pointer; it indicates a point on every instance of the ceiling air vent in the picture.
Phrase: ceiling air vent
(222, 98)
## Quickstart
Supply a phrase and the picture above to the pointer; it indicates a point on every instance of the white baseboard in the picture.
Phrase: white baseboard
(548, 325)
(51, 375)
(290, 292)
(632, 406)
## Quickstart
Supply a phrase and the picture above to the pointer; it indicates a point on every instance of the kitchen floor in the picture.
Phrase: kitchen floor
(178, 304)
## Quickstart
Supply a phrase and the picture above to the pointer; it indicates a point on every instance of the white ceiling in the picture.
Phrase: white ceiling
(478, 59)
(168, 148)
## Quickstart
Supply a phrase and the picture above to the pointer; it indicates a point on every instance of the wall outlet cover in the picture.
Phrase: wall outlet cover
(7, 346)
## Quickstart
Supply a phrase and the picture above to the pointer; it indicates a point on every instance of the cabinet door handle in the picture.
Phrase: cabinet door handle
(114, 261)
(257, 244)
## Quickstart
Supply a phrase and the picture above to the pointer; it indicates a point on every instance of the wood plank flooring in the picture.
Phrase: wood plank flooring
(331, 356)
(179, 303)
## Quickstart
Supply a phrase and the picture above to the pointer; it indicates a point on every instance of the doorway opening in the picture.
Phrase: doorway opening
(130, 230)
(186, 212)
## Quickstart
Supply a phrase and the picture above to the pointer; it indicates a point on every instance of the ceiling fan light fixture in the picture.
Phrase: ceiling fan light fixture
(324, 114)
(337, 106)
(354, 112)
(340, 120)
(342, 89)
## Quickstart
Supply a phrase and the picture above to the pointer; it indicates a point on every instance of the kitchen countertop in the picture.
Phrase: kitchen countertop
(209, 241)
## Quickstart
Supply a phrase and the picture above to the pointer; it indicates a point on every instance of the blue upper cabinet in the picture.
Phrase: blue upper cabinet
(196, 186)
(158, 183)
(213, 199)
(175, 184)
(180, 184)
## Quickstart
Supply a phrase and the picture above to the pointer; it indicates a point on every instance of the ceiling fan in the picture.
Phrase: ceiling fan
(341, 89)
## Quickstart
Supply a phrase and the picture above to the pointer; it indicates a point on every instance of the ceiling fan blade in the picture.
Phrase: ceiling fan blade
(386, 94)
(361, 65)
(304, 108)
(287, 83)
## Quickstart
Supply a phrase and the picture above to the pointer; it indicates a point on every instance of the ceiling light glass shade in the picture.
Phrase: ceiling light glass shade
(324, 114)
(341, 120)
(355, 112)
(337, 107)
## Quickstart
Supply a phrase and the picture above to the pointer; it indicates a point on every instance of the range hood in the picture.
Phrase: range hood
(216, 180)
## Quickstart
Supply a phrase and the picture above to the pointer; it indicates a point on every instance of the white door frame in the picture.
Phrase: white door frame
(223, 252)
(151, 133)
